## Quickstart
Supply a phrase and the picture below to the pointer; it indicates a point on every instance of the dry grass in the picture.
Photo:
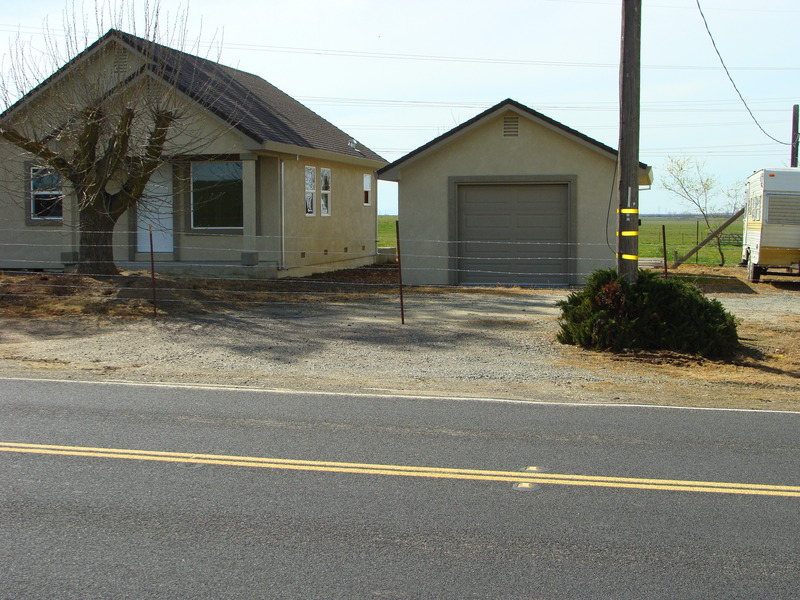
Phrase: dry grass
(131, 293)
(733, 280)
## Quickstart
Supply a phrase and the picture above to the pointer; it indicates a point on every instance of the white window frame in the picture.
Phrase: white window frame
(325, 194)
(367, 189)
(310, 195)
(34, 173)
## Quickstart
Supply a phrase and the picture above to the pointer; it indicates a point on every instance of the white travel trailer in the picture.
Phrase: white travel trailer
(771, 237)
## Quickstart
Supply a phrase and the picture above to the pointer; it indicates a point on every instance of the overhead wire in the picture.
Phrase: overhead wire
(9, 28)
(730, 77)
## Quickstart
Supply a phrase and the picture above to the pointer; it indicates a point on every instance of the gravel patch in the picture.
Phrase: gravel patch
(465, 345)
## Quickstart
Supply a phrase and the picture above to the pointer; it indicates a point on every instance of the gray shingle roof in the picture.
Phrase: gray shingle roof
(245, 101)
(248, 102)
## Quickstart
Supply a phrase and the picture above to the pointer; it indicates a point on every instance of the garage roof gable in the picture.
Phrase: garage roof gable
(391, 172)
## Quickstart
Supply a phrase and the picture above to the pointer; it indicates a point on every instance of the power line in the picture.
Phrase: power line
(439, 58)
(677, 106)
(727, 72)
(478, 60)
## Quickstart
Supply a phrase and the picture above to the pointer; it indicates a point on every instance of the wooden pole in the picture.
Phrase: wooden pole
(795, 133)
(400, 273)
(664, 248)
(628, 211)
(153, 273)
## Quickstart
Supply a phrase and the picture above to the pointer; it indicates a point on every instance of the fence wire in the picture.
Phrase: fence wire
(24, 278)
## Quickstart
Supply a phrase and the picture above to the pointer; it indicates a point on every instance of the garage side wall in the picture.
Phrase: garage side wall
(427, 213)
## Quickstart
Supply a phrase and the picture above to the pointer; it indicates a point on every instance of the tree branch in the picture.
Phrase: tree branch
(117, 148)
(38, 149)
(141, 168)
(85, 154)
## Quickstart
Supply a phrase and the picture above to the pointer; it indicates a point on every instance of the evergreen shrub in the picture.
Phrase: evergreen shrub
(654, 313)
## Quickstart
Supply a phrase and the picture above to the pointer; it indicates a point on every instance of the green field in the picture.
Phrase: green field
(386, 231)
(682, 236)
(683, 233)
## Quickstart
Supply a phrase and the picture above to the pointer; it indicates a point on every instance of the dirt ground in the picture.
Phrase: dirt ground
(498, 342)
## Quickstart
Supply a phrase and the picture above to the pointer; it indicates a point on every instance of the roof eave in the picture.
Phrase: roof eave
(645, 174)
(392, 171)
(290, 149)
(59, 74)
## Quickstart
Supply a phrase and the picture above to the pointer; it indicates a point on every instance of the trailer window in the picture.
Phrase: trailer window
(784, 210)
(754, 207)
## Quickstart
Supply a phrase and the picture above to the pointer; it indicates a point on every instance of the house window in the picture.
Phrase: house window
(47, 197)
(217, 195)
(325, 192)
(311, 191)
(367, 189)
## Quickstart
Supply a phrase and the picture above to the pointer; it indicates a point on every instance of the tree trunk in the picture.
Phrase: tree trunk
(718, 240)
(96, 255)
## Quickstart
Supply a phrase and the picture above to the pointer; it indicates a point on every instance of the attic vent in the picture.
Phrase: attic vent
(120, 62)
(511, 126)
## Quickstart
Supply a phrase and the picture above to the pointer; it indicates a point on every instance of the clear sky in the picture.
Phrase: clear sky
(394, 75)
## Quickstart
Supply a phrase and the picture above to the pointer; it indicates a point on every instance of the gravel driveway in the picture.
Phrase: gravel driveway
(499, 346)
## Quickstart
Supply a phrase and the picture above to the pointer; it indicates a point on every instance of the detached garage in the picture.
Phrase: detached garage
(510, 197)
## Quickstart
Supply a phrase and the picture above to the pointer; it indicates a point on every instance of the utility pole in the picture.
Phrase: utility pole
(795, 133)
(628, 211)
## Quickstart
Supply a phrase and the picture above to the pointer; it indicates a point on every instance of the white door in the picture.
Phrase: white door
(155, 210)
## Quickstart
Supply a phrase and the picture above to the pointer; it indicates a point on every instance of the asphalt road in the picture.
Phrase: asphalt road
(135, 491)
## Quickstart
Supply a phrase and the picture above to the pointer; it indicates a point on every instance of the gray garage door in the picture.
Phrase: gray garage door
(513, 234)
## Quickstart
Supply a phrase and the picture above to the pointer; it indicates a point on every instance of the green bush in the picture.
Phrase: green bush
(654, 313)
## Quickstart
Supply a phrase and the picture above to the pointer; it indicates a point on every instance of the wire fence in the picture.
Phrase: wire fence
(31, 271)
(293, 246)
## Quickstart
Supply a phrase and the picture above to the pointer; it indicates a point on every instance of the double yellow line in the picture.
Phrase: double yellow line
(526, 478)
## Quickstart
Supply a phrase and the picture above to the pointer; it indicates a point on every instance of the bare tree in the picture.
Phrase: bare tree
(687, 179)
(103, 122)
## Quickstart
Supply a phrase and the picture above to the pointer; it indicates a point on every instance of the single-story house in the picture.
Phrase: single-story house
(509, 197)
(256, 183)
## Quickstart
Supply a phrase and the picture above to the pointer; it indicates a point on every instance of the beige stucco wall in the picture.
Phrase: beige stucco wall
(205, 138)
(32, 244)
(195, 132)
(25, 244)
(345, 238)
(51, 107)
(273, 184)
(483, 151)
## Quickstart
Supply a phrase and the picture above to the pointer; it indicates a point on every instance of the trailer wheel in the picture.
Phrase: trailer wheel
(753, 272)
